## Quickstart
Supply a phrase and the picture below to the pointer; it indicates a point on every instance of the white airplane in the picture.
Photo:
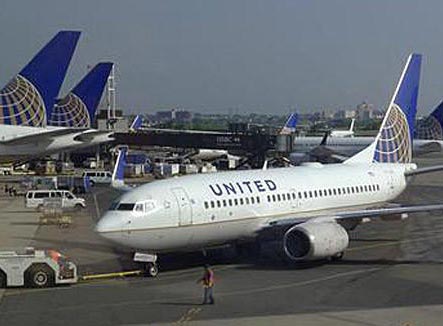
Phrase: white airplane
(310, 208)
(32, 122)
(344, 133)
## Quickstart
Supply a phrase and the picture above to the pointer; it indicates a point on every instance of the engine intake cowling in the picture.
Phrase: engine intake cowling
(315, 240)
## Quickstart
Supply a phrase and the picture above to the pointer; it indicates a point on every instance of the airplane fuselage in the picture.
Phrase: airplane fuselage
(199, 211)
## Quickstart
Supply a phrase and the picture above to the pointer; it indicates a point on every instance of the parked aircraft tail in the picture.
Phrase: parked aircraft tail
(136, 123)
(393, 143)
(431, 127)
(290, 125)
(351, 128)
(77, 109)
(29, 97)
(119, 168)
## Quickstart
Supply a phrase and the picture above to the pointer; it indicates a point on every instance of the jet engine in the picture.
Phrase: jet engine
(315, 240)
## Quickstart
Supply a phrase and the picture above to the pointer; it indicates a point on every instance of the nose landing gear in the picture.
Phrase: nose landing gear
(149, 261)
(150, 269)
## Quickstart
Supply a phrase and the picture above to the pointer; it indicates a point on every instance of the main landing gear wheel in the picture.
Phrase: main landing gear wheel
(151, 269)
(338, 256)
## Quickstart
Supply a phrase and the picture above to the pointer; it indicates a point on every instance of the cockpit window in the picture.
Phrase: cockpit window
(114, 206)
(139, 208)
(125, 207)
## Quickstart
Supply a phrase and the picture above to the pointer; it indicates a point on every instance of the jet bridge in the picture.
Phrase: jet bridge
(249, 144)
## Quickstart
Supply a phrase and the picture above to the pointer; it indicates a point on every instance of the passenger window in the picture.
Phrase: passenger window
(235, 201)
(230, 202)
(273, 198)
(253, 201)
(315, 193)
(258, 200)
(335, 191)
(241, 201)
(224, 202)
(330, 192)
(278, 197)
(299, 195)
(212, 204)
(247, 200)
(206, 205)
(366, 188)
(339, 191)
(294, 196)
(310, 194)
(288, 196)
(218, 203)
(69, 195)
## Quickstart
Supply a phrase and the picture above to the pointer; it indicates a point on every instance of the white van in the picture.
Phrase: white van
(37, 198)
(98, 176)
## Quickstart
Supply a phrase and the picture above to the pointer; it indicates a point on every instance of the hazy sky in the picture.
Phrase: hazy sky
(255, 56)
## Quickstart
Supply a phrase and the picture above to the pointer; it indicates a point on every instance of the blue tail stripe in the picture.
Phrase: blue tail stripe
(121, 162)
(438, 114)
(407, 94)
(90, 88)
(136, 123)
(47, 69)
(292, 121)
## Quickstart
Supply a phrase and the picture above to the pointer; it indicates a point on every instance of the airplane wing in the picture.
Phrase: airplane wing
(39, 135)
(357, 214)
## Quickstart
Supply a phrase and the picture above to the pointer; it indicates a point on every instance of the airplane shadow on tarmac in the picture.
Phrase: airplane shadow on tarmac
(268, 260)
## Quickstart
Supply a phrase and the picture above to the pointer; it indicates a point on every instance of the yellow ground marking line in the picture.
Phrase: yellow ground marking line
(109, 275)
(188, 315)
(120, 303)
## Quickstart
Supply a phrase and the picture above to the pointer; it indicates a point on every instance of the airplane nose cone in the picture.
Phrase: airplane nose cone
(109, 223)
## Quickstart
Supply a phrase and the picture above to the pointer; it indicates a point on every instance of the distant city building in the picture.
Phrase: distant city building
(350, 114)
(341, 114)
(365, 111)
(174, 115)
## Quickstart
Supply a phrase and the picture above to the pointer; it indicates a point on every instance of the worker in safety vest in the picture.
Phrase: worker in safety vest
(208, 284)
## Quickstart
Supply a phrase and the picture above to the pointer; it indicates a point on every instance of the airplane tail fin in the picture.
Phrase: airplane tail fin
(136, 123)
(351, 128)
(28, 98)
(77, 109)
(119, 168)
(290, 125)
(432, 126)
(393, 144)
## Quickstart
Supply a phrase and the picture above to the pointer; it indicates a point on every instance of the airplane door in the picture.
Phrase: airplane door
(184, 206)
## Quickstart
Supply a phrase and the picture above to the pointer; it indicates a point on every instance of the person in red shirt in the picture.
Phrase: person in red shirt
(208, 284)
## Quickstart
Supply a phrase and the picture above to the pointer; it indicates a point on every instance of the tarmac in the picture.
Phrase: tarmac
(390, 275)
